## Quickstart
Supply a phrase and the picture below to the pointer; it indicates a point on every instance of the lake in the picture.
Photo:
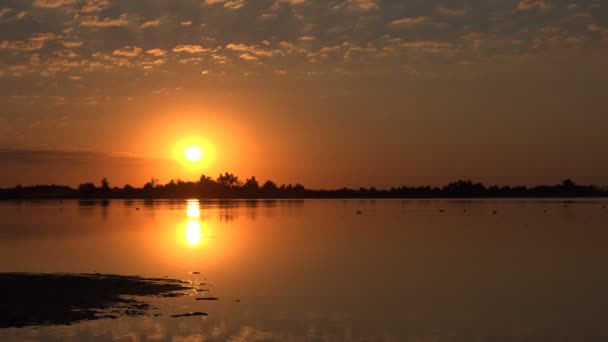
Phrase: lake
(328, 270)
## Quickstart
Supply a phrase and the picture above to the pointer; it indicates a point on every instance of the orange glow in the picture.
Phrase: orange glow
(195, 154)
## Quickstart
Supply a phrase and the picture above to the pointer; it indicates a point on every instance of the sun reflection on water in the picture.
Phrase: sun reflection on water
(193, 227)
(193, 209)
(193, 233)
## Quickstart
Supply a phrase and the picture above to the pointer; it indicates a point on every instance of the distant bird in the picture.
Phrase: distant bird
(441, 211)
(237, 300)
(494, 212)
(359, 212)
(136, 208)
(465, 210)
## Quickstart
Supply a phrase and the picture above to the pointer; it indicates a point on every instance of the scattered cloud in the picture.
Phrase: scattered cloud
(229, 4)
(34, 42)
(189, 49)
(93, 6)
(150, 23)
(251, 52)
(234, 4)
(427, 46)
(356, 5)
(213, 2)
(95, 21)
(157, 52)
(4, 11)
(71, 44)
(127, 51)
(21, 45)
(313, 33)
(597, 28)
(248, 57)
(52, 3)
(525, 5)
(408, 22)
(451, 12)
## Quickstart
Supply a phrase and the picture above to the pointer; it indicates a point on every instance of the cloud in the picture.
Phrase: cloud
(525, 5)
(356, 5)
(229, 4)
(157, 52)
(72, 44)
(189, 49)
(411, 21)
(127, 51)
(427, 46)
(193, 60)
(251, 51)
(9, 14)
(248, 57)
(150, 23)
(597, 28)
(43, 37)
(293, 2)
(234, 4)
(52, 3)
(213, 2)
(93, 6)
(4, 11)
(451, 12)
(66, 54)
(94, 21)
(22, 45)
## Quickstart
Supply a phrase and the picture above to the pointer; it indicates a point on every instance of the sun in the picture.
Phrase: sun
(193, 154)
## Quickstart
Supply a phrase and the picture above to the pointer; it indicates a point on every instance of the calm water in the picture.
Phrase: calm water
(318, 271)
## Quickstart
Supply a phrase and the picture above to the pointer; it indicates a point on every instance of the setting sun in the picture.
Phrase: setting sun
(193, 154)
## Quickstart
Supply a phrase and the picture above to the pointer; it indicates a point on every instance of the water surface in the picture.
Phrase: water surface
(329, 270)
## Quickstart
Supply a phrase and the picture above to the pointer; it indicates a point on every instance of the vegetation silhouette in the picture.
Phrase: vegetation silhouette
(229, 186)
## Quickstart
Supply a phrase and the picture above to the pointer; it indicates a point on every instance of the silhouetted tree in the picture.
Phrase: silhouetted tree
(228, 180)
(568, 184)
(251, 185)
(105, 185)
(153, 183)
(87, 189)
(227, 185)
(269, 187)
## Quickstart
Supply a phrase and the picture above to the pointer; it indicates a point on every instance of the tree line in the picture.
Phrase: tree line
(230, 186)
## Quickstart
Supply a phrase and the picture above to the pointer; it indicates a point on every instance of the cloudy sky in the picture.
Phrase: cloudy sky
(328, 93)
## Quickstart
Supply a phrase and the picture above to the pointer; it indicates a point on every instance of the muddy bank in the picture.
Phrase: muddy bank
(51, 299)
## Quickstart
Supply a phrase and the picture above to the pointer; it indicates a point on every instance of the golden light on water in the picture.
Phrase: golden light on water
(193, 233)
(193, 209)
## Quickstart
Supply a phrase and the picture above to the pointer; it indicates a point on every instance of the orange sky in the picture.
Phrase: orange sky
(326, 93)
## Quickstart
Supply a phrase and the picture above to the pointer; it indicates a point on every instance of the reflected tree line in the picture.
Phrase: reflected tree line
(229, 186)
